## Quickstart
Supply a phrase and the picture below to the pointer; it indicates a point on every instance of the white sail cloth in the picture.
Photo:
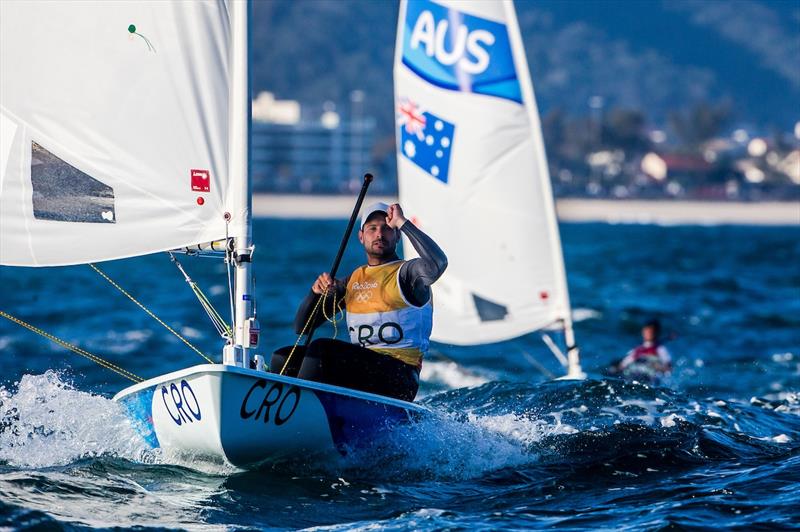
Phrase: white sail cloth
(113, 129)
(473, 172)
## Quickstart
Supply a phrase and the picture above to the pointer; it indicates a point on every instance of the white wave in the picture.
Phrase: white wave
(217, 289)
(583, 314)
(420, 519)
(103, 499)
(122, 343)
(448, 446)
(191, 332)
(672, 419)
(787, 402)
(783, 357)
(522, 429)
(449, 374)
(440, 447)
(46, 422)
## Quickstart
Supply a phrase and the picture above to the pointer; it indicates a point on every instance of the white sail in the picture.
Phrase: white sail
(114, 123)
(473, 172)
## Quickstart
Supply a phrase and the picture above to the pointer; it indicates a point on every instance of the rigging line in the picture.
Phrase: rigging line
(217, 320)
(159, 320)
(75, 349)
(554, 349)
(228, 265)
(535, 363)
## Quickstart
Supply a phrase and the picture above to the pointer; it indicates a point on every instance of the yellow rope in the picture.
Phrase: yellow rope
(94, 358)
(302, 332)
(333, 320)
(170, 329)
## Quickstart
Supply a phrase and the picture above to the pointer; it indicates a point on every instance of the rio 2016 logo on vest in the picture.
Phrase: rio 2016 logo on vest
(460, 52)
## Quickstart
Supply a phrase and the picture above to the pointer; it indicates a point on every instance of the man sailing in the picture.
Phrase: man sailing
(650, 361)
(389, 313)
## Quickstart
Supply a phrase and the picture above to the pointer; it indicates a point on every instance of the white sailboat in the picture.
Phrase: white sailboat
(124, 130)
(472, 167)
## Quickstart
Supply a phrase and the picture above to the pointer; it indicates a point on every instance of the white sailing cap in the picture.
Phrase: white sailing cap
(375, 207)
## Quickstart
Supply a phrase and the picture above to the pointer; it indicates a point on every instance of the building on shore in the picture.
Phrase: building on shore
(307, 150)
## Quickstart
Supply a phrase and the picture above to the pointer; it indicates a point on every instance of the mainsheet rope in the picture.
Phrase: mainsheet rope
(334, 319)
(320, 301)
(75, 349)
(170, 329)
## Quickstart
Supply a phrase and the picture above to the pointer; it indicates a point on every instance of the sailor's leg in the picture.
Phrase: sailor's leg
(352, 366)
(280, 356)
(320, 360)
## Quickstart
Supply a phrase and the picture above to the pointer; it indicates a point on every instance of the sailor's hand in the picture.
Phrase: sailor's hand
(323, 284)
(394, 216)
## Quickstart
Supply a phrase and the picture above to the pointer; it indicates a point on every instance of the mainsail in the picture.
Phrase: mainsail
(114, 129)
(473, 171)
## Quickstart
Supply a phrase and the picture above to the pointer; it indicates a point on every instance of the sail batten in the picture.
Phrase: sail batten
(113, 129)
(473, 171)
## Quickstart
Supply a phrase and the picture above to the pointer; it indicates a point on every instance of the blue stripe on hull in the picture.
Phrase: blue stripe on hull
(139, 407)
(355, 422)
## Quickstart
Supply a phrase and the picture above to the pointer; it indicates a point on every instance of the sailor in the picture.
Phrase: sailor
(389, 312)
(650, 357)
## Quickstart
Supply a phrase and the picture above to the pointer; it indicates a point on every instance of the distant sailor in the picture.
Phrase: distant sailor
(650, 360)
(389, 312)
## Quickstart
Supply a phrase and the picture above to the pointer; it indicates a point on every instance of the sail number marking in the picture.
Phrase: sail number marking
(459, 51)
(181, 403)
(277, 405)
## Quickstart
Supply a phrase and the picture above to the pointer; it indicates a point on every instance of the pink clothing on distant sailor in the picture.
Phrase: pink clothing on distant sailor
(647, 352)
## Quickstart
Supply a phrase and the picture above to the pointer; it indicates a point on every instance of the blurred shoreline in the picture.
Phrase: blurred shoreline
(663, 212)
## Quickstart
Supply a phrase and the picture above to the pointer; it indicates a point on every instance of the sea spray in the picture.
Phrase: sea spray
(448, 374)
(45, 422)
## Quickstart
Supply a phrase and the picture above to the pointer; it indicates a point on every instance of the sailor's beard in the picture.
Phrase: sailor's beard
(386, 252)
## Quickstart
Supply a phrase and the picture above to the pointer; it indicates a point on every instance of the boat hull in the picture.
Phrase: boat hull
(248, 417)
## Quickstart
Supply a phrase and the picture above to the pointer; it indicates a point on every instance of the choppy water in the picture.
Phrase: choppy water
(507, 449)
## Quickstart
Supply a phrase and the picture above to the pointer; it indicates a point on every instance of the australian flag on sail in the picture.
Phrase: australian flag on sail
(425, 139)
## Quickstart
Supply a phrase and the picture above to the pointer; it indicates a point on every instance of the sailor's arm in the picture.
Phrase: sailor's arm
(417, 275)
(664, 358)
(323, 283)
(627, 360)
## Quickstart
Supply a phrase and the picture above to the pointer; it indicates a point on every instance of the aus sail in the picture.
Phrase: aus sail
(473, 170)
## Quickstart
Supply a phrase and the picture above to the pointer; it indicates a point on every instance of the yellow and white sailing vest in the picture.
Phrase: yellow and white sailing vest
(379, 316)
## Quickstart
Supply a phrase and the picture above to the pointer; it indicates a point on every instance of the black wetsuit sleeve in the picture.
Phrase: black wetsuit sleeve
(308, 304)
(417, 275)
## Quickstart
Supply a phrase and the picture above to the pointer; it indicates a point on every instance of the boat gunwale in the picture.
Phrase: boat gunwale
(301, 383)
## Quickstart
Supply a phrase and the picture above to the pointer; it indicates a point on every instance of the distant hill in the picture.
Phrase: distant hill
(653, 55)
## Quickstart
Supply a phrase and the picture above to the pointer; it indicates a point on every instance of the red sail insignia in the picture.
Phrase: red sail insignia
(201, 180)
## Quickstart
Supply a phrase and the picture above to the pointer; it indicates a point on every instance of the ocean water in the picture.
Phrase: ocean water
(718, 446)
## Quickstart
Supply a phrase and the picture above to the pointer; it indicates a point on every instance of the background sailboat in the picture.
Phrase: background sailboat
(473, 170)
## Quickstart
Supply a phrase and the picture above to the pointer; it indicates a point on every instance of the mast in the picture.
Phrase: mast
(574, 370)
(239, 167)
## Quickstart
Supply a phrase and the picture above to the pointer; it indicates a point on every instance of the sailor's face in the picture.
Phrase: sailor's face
(649, 333)
(378, 238)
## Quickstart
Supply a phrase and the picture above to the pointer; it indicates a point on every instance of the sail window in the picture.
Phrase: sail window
(488, 310)
(63, 193)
